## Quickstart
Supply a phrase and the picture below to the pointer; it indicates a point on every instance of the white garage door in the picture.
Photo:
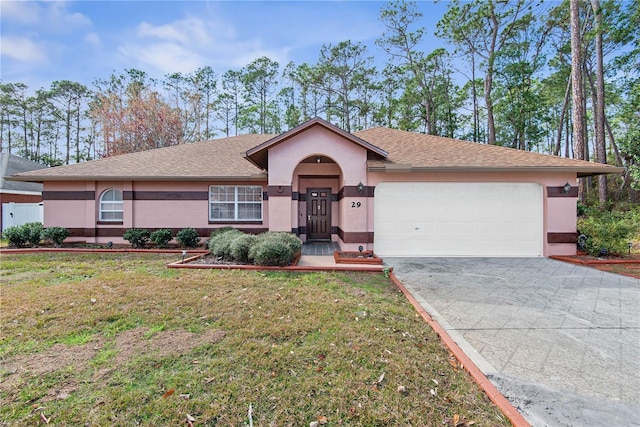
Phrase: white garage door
(458, 219)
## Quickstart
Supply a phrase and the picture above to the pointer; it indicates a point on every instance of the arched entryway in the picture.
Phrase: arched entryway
(317, 180)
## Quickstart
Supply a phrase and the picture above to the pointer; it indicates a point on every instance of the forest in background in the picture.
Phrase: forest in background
(509, 76)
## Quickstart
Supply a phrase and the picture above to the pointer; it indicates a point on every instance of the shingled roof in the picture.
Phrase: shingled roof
(229, 158)
(410, 151)
(11, 165)
(219, 158)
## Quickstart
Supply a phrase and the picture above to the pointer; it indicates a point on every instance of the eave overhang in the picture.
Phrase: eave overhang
(580, 172)
(253, 177)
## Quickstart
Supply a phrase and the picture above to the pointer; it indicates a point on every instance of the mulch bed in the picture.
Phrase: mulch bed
(627, 266)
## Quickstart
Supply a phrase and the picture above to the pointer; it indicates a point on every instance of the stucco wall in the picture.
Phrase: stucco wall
(161, 205)
(286, 168)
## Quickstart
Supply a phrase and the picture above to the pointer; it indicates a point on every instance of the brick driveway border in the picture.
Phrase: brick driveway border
(560, 341)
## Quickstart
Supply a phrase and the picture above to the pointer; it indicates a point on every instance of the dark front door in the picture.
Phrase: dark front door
(319, 214)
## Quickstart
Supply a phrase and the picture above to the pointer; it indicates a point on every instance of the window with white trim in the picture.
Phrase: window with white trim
(111, 207)
(235, 203)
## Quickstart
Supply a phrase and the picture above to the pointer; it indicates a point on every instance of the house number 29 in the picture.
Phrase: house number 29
(356, 204)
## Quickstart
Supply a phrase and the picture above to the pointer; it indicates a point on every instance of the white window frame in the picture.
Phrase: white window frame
(236, 202)
(115, 201)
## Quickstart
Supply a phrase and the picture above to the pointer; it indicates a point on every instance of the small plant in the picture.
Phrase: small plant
(188, 237)
(220, 242)
(138, 237)
(275, 248)
(241, 246)
(161, 237)
(55, 234)
(32, 232)
(14, 236)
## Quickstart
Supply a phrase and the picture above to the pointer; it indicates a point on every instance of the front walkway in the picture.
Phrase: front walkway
(320, 248)
(560, 341)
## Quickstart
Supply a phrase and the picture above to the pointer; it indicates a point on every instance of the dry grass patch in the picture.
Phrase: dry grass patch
(118, 339)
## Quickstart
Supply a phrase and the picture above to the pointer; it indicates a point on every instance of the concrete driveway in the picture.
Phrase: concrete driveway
(561, 342)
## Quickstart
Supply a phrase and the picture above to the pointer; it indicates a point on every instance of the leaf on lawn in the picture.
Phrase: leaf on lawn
(190, 420)
(169, 393)
(433, 392)
(322, 419)
(453, 364)
(456, 420)
(379, 382)
(44, 418)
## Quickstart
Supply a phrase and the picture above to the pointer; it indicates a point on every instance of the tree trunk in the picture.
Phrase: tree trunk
(565, 105)
(488, 82)
(576, 83)
(601, 152)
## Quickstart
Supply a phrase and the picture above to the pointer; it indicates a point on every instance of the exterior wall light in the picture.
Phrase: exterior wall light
(360, 187)
(566, 188)
(318, 159)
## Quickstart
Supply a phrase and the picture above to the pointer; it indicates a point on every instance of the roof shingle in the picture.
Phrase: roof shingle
(225, 159)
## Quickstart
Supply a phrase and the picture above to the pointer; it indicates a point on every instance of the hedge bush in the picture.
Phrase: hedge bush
(138, 237)
(188, 237)
(240, 246)
(275, 248)
(33, 232)
(15, 236)
(221, 240)
(161, 237)
(55, 234)
(609, 230)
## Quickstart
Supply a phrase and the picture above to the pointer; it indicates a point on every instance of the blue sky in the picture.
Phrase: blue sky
(84, 40)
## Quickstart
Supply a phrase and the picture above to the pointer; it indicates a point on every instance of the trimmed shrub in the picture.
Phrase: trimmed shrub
(608, 230)
(188, 237)
(55, 234)
(271, 252)
(220, 242)
(161, 237)
(220, 231)
(32, 232)
(275, 248)
(241, 245)
(14, 236)
(138, 237)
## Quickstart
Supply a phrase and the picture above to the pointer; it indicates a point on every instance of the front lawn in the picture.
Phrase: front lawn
(118, 339)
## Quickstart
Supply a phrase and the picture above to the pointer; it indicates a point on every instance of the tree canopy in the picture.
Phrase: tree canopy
(505, 78)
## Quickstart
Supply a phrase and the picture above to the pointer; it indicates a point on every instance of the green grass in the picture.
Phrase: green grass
(117, 339)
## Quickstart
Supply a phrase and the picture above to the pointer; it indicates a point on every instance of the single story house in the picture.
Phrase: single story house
(395, 192)
(19, 201)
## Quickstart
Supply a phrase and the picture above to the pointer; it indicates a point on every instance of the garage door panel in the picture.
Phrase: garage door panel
(458, 219)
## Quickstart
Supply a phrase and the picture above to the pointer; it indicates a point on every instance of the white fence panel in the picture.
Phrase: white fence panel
(14, 214)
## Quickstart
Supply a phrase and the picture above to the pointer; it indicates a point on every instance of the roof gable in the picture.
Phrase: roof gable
(259, 155)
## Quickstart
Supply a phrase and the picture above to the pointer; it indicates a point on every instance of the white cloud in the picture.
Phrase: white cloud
(21, 11)
(187, 44)
(51, 16)
(21, 49)
(165, 57)
(93, 39)
(186, 31)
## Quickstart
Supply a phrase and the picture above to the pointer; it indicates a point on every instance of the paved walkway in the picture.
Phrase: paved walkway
(320, 248)
(560, 341)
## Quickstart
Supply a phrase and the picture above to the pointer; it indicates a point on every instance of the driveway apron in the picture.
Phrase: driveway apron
(560, 341)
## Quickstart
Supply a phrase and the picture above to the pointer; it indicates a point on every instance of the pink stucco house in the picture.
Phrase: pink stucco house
(395, 192)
